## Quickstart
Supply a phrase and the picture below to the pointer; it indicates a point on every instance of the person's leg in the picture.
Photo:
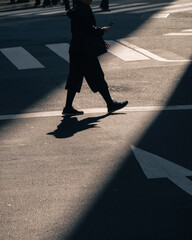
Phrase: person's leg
(75, 2)
(104, 5)
(69, 109)
(95, 78)
(112, 105)
(67, 5)
(73, 85)
(37, 3)
(46, 3)
(106, 95)
(70, 97)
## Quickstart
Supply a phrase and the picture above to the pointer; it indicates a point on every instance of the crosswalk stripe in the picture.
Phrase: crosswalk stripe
(187, 30)
(125, 53)
(61, 49)
(120, 48)
(179, 10)
(52, 12)
(131, 9)
(149, 54)
(135, 8)
(178, 34)
(117, 6)
(153, 7)
(21, 58)
(161, 15)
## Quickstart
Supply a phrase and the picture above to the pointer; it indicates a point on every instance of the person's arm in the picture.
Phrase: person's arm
(88, 28)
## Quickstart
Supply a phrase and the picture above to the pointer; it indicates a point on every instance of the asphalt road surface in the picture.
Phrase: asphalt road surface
(123, 176)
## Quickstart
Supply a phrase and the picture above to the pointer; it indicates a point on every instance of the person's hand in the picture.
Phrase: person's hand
(107, 45)
(105, 29)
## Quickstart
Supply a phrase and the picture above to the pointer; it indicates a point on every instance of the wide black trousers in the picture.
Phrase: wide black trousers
(90, 69)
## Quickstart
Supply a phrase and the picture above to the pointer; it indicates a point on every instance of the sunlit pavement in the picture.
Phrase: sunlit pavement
(122, 176)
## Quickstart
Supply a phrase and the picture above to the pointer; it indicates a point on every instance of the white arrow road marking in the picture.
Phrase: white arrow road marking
(157, 167)
(21, 58)
(125, 53)
(61, 49)
(147, 53)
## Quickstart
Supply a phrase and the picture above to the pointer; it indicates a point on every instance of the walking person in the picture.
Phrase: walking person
(46, 3)
(104, 5)
(37, 3)
(67, 4)
(82, 61)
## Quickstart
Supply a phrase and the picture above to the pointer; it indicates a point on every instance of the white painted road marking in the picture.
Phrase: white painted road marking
(61, 49)
(149, 54)
(115, 8)
(180, 8)
(157, 167)
(125, 53)
(21, 58)
(119, 48)
(132, 9)
(178, 34)
(187, 30)
(96, 110)
(161, 15)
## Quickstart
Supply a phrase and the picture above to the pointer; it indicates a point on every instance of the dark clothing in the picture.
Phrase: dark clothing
(89, 69)
(83, 26)
(45, 3)
(67, 4)
(104, 5)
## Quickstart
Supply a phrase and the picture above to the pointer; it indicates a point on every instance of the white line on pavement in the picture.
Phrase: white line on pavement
(166, 8)
(21, 58)
(125, 53)
(130, 9)
(61, 49)
(149, 54)
(161, 15)
(178, 34)
(53, 12)
(187, 30)
(179, 10)
(96, 110)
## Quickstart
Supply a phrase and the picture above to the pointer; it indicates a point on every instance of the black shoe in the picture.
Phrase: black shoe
(116, 106)
(70, 111)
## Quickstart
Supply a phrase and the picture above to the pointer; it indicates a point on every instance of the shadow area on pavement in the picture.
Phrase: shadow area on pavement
(70, 125)
(22, 89)
(132, 207)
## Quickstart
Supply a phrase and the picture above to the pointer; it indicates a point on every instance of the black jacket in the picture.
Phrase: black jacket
(83, 26)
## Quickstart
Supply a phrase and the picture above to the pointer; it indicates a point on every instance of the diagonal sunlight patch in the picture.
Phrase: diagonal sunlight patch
(54, 183)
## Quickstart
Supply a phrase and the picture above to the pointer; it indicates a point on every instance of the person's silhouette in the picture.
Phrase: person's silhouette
(86, 38)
